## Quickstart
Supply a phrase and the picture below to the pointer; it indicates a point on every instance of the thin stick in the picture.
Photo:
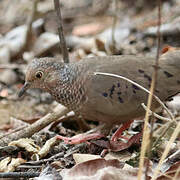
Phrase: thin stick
(18, 175)
(29, 23)
(58, 112)
(13, 131)
(146, 132)
(61, 32)
(52, 158)
(177, 174)
(114, 26)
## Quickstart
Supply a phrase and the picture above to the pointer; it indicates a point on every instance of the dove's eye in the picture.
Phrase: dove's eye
(39, 74)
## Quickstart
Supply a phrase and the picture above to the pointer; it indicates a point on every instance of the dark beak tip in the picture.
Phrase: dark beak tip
(21, 92)
(23, 89)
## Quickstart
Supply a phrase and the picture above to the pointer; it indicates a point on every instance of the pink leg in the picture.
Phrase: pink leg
(119, 131)
(119, 146)
(117, 135)
(80, 138)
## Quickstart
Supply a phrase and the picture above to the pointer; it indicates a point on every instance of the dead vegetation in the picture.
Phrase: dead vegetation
(29, 147)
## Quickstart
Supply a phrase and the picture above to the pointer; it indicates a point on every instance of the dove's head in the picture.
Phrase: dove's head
(43, 73)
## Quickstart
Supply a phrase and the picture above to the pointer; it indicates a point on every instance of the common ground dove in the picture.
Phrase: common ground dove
(103, 98)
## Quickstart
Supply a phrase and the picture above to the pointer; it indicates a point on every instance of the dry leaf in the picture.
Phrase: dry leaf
(9, 164)
(80, 158)
(99, 169)
(27, 144)
(48, 145)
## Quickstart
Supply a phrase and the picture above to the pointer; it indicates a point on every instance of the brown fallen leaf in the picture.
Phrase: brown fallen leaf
(100, 169)
(80, 158)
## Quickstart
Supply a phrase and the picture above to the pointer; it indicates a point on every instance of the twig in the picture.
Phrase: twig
(173, 158)
(37, 126)
(177, 174)
(29, 24)
(28, 167)
(61, 32)
(114, 26)
(52, 158)
(19, 174)
(13, 131)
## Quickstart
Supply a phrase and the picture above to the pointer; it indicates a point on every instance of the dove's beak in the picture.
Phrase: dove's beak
(23, 89)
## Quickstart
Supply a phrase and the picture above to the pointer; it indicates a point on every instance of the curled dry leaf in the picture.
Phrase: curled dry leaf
(15, 162)
(4, 163)
(48, 145)
(27, 144)
(9, 164)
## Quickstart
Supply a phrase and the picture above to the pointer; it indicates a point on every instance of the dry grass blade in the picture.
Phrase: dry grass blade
(166, 151)
(147, 133)
(176, 175)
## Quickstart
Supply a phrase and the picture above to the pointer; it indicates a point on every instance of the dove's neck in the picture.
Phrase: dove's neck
(70, 90)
